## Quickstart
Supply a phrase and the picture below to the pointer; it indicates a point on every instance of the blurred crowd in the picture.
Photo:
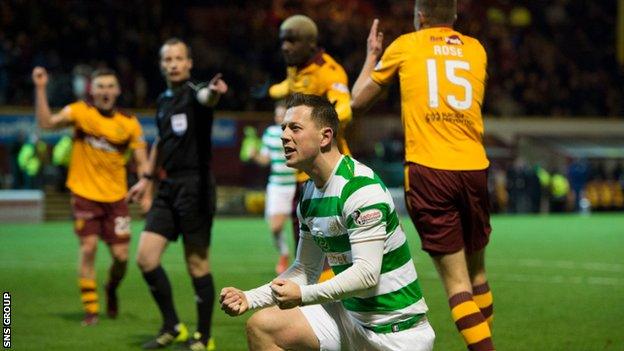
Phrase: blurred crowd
(580, 186)
(546, 57)
(519, 186)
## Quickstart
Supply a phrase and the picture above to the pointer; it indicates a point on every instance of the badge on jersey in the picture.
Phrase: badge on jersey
(179, 124)
(367, 217)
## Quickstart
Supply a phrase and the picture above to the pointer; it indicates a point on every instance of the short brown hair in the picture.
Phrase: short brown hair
(323, 112)
(438, 11)
(281, 103)
(103, 72)
(175, 41)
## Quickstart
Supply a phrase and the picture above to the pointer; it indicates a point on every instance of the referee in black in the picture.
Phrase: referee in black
(184, 202)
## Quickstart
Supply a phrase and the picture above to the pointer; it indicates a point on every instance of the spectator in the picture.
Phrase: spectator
(30, 161)
(534, 68)
(16, 173)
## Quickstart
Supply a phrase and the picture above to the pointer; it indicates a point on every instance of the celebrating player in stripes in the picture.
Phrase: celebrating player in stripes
(346, 214)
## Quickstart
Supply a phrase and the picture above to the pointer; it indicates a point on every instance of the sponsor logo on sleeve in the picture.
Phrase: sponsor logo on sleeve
(367, 217)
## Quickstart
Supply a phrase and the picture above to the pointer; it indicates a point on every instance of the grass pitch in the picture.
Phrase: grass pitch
(558, 284)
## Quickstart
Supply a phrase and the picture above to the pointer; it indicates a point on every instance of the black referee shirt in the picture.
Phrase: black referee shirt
(185, 130)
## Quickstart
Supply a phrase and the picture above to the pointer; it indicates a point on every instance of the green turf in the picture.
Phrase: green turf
(558, 284)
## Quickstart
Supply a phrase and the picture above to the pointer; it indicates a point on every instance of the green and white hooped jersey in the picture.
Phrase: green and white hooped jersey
(355, 206)
(272, 147)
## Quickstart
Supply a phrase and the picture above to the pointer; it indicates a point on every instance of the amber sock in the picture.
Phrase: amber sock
(482, 296)
(88, 295)
(470, 322)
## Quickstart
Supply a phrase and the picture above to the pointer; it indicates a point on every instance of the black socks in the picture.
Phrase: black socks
(161, 291)
(204, 296)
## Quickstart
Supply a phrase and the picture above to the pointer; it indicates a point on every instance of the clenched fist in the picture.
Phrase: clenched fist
(40, 77)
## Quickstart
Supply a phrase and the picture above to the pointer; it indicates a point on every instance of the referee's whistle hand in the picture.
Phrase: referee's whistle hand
(136, 192)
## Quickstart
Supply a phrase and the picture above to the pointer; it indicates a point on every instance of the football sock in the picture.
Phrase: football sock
(280, 244)
(116, 273)
(88, 295)
(470, 322)
(204, 295)
(161, 291)
(483, 298)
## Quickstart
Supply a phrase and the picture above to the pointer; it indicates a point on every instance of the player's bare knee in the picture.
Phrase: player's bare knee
(88, 250)
(146, 262)
(198, 268)
(261, 323)
(120, 258)
(276, 228)
(119, 254)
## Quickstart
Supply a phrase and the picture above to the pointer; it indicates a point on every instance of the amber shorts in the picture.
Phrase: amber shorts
(450, 209)
(109, 220)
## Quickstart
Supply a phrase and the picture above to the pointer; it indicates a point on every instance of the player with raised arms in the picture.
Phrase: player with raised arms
(442, 75)
(97, 178)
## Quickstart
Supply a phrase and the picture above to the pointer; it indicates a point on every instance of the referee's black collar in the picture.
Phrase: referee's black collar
(173, 90)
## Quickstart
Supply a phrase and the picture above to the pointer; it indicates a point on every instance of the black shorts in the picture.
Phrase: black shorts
(186, 206)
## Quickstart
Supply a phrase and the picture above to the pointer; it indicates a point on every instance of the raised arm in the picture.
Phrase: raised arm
(365, 91)
(45, 118)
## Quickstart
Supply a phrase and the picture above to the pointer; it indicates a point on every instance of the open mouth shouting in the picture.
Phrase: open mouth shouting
(289, 151)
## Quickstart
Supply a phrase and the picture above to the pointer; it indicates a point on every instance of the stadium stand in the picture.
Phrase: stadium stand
(558, 60)
(540, 64)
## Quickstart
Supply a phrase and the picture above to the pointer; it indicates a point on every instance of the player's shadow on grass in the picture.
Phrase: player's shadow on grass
(137, 340)
(78, 316)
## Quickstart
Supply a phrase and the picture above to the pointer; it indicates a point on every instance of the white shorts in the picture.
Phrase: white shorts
(279, 199)
(336, 330)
